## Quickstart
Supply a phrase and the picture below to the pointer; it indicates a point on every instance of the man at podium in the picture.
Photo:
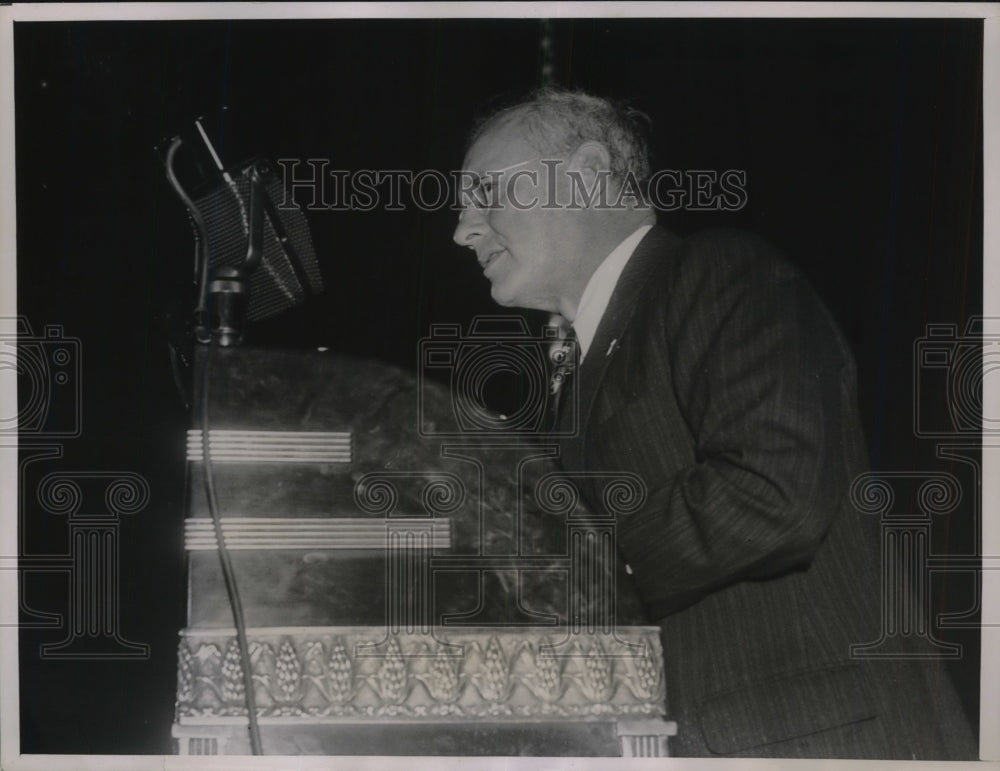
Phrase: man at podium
(708, 367)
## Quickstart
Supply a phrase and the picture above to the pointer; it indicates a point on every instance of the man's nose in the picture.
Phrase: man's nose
(471, 227)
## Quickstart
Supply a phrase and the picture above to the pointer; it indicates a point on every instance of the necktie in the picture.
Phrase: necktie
(564, 357)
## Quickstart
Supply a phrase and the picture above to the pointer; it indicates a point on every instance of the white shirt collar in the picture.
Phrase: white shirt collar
(597, 293)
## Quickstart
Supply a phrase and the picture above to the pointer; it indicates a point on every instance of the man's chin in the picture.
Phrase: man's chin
(509, 300)
(501, 297)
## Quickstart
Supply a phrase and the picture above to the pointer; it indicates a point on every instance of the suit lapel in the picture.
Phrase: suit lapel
(650, 253)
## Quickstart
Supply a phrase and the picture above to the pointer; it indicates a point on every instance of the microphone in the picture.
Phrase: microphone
(228, 297)
(278, 261)
(256, 260)
(227, 290)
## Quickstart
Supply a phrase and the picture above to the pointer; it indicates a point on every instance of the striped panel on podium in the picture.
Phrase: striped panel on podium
(239, 446)
(316, 533)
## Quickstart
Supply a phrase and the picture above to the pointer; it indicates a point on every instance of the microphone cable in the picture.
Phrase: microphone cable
(201, 270)
(228, 575)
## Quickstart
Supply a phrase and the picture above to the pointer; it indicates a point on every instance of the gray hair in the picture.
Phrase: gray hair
(559, 121)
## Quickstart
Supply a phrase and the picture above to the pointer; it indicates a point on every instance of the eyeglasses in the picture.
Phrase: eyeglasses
(485, 191)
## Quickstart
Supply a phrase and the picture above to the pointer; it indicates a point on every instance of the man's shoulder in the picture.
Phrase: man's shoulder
(710, 247)
(713, 275)
(719, 257)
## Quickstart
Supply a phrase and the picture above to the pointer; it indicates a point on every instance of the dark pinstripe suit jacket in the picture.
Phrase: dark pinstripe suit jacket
(718, 377)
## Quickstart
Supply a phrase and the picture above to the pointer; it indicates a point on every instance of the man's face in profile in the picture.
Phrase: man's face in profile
(521, 244)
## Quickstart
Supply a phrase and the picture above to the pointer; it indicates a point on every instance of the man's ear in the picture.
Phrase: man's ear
(592, 162)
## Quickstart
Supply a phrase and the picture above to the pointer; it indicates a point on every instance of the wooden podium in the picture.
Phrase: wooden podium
(410, 587)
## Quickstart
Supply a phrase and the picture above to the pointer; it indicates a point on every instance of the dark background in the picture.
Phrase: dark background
(861, 141)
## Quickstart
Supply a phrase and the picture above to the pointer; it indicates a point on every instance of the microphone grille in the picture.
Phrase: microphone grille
(288, 271)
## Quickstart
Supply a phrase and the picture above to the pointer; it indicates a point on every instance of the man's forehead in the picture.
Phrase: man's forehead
(498, 148)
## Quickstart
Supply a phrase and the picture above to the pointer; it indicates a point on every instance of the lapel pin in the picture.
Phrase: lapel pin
(611, 348)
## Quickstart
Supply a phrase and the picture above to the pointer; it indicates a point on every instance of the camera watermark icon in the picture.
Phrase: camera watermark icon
(972, 564)
(592, 539)
(47, 371)
(906, 560)
(418, 549)
(94, 599)
(93, 503)
(410, 540)
(947, 361)
(494, 349)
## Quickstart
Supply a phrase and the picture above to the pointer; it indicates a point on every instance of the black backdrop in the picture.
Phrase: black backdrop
(861, 141)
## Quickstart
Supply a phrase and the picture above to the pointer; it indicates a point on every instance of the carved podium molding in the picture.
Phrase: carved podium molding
(329, 675)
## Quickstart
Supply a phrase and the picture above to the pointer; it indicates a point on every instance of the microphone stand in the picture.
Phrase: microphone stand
(222, 302)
